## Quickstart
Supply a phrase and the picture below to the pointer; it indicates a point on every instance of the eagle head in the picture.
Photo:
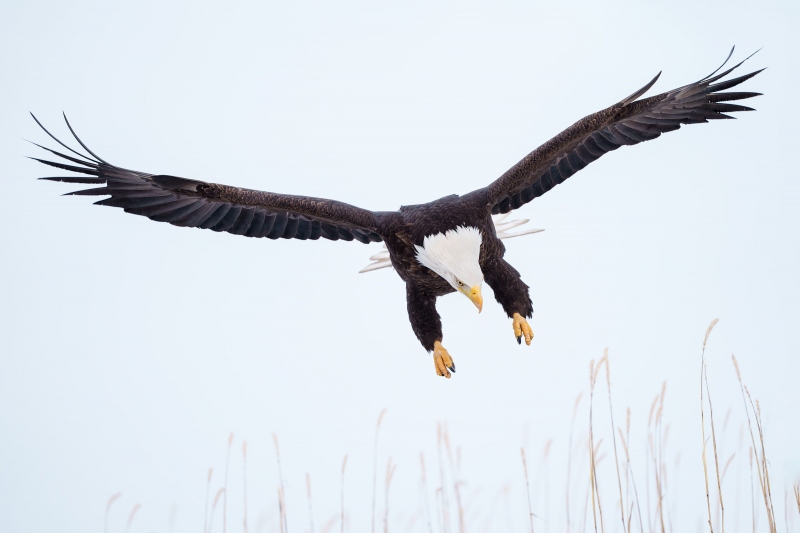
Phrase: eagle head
(454, 255)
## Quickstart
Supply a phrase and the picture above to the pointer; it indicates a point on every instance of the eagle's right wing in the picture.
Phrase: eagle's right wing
(199, 204)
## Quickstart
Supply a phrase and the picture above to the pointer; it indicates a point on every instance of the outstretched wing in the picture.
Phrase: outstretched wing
(198, 204)
(627, 122)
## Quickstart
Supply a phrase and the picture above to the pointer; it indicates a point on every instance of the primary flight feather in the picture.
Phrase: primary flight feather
(448, 245)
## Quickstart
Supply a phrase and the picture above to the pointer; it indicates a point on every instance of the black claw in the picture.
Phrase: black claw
(519, 340)
(452, 368)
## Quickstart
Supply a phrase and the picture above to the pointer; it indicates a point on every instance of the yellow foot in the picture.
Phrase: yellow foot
(442, 360)
(521, 328)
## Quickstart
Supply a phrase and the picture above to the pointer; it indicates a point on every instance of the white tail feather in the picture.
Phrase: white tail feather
(381, 259)
(518, 234)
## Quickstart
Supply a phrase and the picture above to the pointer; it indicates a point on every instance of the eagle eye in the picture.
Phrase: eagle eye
(460, 283)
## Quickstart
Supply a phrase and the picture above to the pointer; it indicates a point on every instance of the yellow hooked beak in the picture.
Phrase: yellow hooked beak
(474, 294)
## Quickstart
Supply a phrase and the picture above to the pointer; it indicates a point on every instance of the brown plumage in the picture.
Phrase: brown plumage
(194, 203)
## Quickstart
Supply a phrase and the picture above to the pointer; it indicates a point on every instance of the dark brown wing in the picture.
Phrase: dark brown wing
(628, 122)
(197, 204)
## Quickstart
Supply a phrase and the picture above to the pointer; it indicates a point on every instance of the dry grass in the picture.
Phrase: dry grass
(569, 454)
(390, 468)
(760, 461)
(344, 465)
(424, 482)
(132, 516)
(527, 485)
(244, 483)
(797, 497)
(614, 438)
(281, 486)
(703, 426)
(455, 474)
(220, 492)
(208, 492)
(110, 502)
(375, 467)
(597, 507)
(310, 508)
(225, 502)
(595, 486)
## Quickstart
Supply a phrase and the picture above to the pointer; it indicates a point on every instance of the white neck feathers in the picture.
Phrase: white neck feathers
(453, 254)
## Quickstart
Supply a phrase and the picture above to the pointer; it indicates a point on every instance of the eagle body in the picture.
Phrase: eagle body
(440, 247)
(404, 230)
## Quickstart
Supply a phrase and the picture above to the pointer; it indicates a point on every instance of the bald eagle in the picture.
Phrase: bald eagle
(440, 247)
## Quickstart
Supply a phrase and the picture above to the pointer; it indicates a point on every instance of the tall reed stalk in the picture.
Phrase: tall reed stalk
(225, 501)
(703, 421)
(344, 465)
(132, 516)
(527, 486)
(110, 502)
(244, 483)
(614, 437)
(426, 502)
(310, 509)
(760, 461)
(375, 467)
(389, 475)
(281, 486)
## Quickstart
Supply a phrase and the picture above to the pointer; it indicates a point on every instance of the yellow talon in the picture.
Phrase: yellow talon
(442, 360)
(521, 328)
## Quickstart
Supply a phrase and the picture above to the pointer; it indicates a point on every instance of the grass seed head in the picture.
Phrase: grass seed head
(708, 331)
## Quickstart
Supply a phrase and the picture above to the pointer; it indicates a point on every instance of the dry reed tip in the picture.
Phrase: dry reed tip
(380, 418)
(210, 472)
(577, 403)
(708, 331)
(602, 360)
(628, 421)
(220, 492)
(112, 499)
(132, 515)
(389, 471)
(797, 496)
(344, 463)
(736, 366)
(244, 449)
(652, 410)
(624, 442)
(275, 440)
(230, 439)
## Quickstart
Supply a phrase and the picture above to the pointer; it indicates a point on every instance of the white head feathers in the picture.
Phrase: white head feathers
(454, 255)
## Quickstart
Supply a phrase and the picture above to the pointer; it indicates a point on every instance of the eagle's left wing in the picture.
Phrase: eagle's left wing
(627, 122)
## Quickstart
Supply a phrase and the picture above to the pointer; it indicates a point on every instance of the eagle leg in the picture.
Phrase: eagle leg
(521, 328)
(442, 361)
(512, 293)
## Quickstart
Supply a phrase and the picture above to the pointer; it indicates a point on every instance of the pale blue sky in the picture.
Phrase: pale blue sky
(131, 349)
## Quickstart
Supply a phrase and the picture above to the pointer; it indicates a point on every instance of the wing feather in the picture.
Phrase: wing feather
(626, 123)
(198, 204)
